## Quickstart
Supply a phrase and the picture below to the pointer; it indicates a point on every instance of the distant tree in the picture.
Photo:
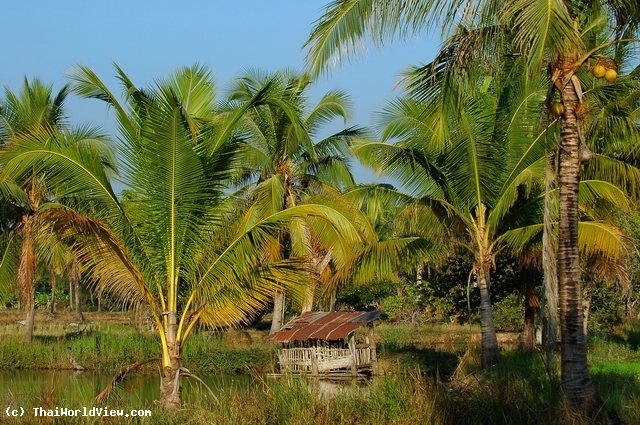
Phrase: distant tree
(33, 114)
(286, 167)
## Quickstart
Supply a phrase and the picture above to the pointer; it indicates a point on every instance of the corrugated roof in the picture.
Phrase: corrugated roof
(332, 326)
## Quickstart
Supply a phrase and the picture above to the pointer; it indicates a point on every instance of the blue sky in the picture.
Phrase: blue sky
(149, 39)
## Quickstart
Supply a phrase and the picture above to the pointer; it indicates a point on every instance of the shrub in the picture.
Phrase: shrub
(508, 313)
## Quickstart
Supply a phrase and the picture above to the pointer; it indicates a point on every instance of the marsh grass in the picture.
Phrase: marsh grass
(112, 346)
(496, 398)
(432, 376)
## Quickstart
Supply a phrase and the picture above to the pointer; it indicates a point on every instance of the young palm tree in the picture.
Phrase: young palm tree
(560, 35)
(176, 245)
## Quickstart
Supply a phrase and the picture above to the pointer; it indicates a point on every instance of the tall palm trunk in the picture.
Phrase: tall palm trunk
(170, 383)
(31, 316)
(53, 292)
(278, 311)
(70, 293)
(483, 263)
(309, 295)
(576, 380)
(75, 278)
(490, 351)
(333, 298)
(531, 306)
(26, 279)
(320, 264)
(279, 301)
(550, 270)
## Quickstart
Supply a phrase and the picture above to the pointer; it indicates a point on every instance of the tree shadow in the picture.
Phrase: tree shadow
(618, 389)
(633, 339)
(69, 336)
(429, 361)
(629, 338)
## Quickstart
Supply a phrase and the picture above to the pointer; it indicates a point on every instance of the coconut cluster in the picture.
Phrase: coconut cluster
(600, 71)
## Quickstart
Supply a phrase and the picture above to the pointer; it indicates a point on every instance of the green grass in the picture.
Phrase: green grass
(109, 347)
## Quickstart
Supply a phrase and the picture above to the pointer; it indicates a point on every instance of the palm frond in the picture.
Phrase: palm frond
(347, 24)
(74, 167)
(383, 260)
(601, 239)
(541, 26)
(593, 191)
(335, 104)
(9, 258)
(614, 171)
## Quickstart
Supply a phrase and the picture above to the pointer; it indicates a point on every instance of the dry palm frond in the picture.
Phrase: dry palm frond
(111, 387)
(187, 374)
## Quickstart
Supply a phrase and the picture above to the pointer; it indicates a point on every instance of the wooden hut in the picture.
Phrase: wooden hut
(325, 344)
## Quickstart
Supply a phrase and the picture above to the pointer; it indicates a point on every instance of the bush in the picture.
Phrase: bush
(508, 313)
(365, 297)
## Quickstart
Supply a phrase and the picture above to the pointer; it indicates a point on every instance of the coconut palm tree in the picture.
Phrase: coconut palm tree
(470, 181)
(561, 36)
(285, 166)
(177, 245)
(479, 183)
(33, 111)
(33, 108)
(35, 201)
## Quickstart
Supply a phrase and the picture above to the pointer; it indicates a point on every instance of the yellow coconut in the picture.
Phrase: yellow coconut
(557, 109)
(611, 75)
(599, 71)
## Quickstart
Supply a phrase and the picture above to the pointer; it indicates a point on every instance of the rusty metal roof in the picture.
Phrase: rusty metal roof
(333, 325)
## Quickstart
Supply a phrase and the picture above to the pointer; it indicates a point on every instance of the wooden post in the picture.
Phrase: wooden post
(372, 349)
(314, 361)
(354, 357)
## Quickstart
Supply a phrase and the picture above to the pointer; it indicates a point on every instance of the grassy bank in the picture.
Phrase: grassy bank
(109, 347)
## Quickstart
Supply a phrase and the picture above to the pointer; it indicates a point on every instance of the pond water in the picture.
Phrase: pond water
(31, 388)
(71, 389)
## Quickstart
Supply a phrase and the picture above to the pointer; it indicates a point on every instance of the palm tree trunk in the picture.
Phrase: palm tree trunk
(586, 308)
(531, 305)
(76, 289)
(576, 380)
(278, 312)
(550, 270)
(75, 278)
(170, 383)
(333, 298)
(53, 292)
(490, 351)
(30, 307)
(309, 295)
(26, 280)
(320, 264)
(70, 292)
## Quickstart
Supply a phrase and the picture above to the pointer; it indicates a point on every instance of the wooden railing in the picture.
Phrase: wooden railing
(318, 360)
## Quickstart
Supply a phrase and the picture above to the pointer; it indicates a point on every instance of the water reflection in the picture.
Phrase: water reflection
(44, 388)
(49, 389)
